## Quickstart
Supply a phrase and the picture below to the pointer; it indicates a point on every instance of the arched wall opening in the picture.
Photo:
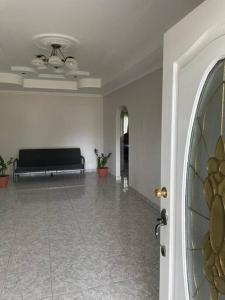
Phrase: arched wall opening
(122, 142)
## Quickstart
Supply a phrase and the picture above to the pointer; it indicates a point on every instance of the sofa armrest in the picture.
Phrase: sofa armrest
(83, 160)
(14, 168)
(15, 162)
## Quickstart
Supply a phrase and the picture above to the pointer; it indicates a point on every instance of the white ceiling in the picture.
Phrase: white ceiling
(120, 39)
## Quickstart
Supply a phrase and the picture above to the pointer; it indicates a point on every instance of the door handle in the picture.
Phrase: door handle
(157, 229)
(162, 221)
(161, 192)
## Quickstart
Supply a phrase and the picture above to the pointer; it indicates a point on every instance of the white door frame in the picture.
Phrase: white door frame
(194, 33)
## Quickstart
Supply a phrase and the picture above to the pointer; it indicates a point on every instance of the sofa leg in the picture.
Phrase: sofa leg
(15, 177)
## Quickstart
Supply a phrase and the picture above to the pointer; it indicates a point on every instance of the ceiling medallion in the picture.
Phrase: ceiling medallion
(44, 41)
(214, 240)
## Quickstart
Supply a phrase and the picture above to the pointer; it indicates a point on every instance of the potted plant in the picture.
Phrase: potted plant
(101, 163)
(4, 179)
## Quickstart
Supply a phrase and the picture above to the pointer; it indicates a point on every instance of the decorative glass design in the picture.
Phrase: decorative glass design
(205, 192)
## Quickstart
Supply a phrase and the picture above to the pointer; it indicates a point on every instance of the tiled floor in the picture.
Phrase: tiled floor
(76, 237)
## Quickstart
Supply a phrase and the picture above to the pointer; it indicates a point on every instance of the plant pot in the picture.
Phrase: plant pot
(4, 180)
(103, 172)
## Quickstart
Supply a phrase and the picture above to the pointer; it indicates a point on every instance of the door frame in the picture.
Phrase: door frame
(118, 139)
(201, 33)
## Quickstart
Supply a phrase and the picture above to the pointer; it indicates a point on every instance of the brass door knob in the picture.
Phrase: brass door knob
(161, 192)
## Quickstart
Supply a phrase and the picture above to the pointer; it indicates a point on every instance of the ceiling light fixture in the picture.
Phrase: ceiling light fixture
(56, 59)
(54, 70)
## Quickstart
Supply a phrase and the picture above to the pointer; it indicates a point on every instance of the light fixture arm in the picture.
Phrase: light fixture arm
(64, 58)
(56, 51)
(42, 56)
(56, 59)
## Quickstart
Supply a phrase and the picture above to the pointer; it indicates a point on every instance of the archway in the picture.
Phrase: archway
(122, 143)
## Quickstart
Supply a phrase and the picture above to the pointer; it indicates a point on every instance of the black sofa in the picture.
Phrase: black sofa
(48, 161)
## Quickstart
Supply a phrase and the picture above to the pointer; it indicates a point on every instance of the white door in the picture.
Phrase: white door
(193, 157)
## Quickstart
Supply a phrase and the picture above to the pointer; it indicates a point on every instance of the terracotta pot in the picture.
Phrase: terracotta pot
(103, 172)
(4, 180)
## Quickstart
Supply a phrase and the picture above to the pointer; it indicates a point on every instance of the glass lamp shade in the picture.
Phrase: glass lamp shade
(42, 67)
(58, 70)
(71, 63)
(38, 62)
(55, 61)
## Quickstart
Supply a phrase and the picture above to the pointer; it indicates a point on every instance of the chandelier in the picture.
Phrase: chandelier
(52, 68)
(56, 59)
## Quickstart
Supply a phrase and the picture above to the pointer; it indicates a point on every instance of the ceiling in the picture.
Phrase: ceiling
(120, 40)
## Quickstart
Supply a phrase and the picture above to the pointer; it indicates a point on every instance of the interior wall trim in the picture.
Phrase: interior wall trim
(212, 34)
(133, 79)
(68, 94)
(139, 195)
(145, 199)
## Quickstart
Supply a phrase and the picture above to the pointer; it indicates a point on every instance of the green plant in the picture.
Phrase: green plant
(101, 159)
(4, 165)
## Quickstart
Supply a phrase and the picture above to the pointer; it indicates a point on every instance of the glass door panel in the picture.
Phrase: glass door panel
(205, 192)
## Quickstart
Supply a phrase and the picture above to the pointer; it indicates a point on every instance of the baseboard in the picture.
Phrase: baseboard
(145, 199)
(118, 178)
(91, 170)
(139, 195)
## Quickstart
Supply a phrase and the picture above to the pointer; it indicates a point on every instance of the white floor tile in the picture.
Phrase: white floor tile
(76, 238)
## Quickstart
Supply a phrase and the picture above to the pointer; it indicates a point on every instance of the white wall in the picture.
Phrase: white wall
(143, 99)
(29, 120)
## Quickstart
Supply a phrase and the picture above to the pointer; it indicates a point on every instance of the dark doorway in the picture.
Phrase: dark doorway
(124, 143)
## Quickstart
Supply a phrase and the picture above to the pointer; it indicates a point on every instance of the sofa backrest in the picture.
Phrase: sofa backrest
(49, 157)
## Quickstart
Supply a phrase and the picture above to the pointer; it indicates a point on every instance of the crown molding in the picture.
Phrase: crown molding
(151, 62)
(133, 79)
(68, 94)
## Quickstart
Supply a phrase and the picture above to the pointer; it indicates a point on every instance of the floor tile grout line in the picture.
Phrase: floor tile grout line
(51, 188)
(49, 246)
(76, 221)
(11, 252)
(108, 284)
(83, 239)
(68, 198)
(77, 224)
